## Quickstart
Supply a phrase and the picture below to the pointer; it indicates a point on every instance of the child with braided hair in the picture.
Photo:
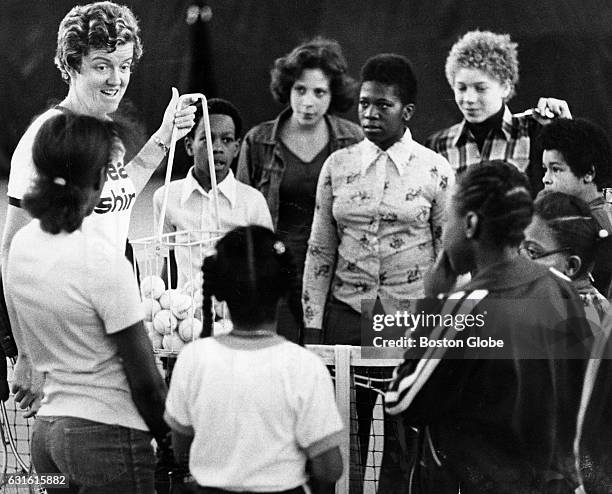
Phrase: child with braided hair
(565, 235)
(497, 419)
(576, 159)
(249, 408)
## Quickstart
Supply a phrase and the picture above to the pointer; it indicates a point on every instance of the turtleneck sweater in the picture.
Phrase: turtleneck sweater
(481, 130)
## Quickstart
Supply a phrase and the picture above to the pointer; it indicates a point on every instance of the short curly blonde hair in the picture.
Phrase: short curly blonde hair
(99, 25)
(494, 54)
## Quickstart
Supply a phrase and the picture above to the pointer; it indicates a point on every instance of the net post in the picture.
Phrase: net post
(342, 362)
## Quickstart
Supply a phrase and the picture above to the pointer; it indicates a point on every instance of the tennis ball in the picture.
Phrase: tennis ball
(152, 287)
(194, 290)
(181, 306)
(164, 322)
(150, 306)
(156, 339)
(172, 342)
(194, 285)
(190, 328)
(167, 298)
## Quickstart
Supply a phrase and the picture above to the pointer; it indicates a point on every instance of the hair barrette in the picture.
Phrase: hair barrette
(279, 247)
(603, 233)
(59, 181)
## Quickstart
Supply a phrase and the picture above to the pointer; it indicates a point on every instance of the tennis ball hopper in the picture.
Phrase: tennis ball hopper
(172, 293)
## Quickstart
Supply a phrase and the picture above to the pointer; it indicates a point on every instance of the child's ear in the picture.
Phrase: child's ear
(236, 148)
(572, 266)
(471, 225)
(408, 112)
(189, 146)
(507, 87)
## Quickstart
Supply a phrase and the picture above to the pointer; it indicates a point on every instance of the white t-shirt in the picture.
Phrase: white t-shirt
(111, 217)
(257, 407)
(190, 208)
(68, 292)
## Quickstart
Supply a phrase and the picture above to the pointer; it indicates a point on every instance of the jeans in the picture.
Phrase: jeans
(97, 458)
(341, 324)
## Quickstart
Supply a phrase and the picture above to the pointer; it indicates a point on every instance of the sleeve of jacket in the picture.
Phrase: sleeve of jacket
(430, 379)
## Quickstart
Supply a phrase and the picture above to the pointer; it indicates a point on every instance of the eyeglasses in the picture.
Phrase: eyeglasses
(533, 253)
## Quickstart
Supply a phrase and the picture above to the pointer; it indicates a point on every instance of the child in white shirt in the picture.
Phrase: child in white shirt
(249, 407)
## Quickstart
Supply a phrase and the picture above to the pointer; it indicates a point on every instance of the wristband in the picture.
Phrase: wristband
(161, 145)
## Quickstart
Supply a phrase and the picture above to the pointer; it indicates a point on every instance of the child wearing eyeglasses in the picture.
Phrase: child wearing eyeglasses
(576, 159)
(494, 421)
(565, 235)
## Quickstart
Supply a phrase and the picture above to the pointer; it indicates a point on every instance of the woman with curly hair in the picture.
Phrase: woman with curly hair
(283, 157)
(98, 46)
(482, 69)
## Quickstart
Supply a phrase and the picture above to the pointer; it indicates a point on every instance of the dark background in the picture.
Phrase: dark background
(565, 51)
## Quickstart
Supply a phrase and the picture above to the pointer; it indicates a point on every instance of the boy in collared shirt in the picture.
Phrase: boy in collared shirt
(190, 201)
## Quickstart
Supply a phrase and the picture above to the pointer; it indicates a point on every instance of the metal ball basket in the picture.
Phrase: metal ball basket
(173, 316)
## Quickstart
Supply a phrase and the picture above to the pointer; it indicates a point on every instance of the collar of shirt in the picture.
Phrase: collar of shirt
(400, 153)
(464, 133)
(335, 130)
(227, 187)
(508, 274)
(598, 202)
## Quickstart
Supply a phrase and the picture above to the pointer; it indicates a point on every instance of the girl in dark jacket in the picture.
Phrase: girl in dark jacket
(498, 419)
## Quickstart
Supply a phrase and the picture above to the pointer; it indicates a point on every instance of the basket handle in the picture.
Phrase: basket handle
(211, 163)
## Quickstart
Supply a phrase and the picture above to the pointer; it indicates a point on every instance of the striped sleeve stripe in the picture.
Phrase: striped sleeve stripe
(399, 399)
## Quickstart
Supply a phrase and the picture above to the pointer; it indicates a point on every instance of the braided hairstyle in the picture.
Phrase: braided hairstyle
(573, 227)
(499, 194)
(251, 270)
(69, 152)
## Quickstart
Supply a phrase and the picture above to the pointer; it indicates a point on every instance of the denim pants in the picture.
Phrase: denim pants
(97, 458)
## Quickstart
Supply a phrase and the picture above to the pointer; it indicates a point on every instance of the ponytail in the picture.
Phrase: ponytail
(58, 207)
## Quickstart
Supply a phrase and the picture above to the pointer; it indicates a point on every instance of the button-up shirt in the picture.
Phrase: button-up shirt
(190, 208)
(377, 225)
(510, 142)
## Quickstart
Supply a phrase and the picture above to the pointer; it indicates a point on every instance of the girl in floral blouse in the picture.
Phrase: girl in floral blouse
(379, 211)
